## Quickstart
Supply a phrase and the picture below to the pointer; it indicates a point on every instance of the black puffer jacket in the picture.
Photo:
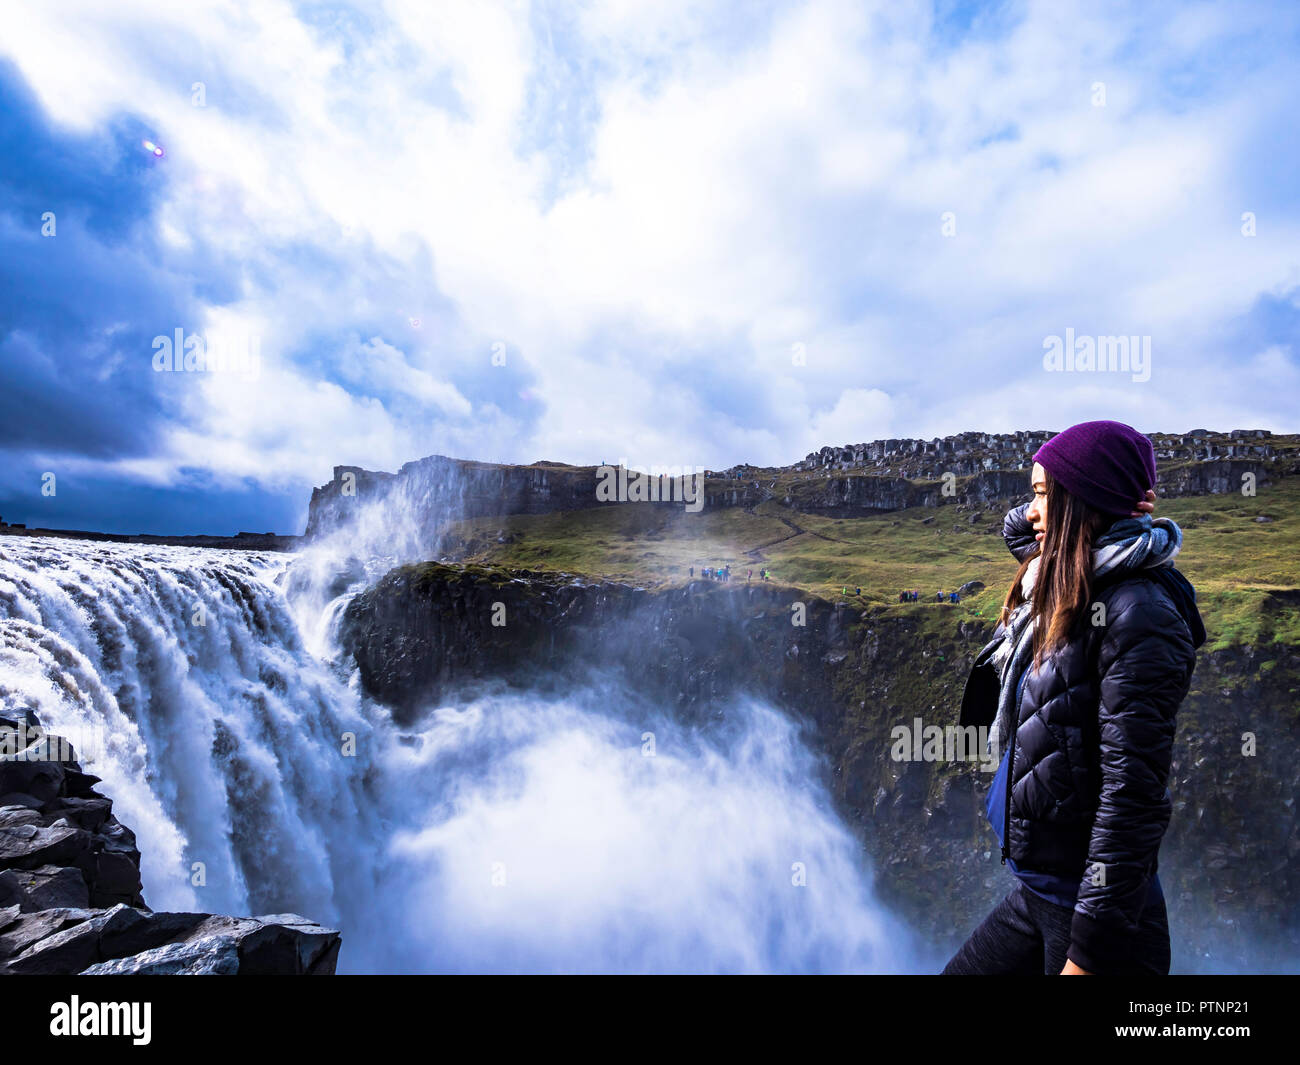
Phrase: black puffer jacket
(1092, 748)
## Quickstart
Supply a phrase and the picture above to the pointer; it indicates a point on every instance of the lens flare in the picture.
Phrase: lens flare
(153, 149)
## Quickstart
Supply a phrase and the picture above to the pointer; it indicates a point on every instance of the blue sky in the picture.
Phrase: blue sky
(669, 232)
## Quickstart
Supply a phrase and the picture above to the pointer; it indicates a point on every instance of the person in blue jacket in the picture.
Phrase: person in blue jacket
(1081, 685)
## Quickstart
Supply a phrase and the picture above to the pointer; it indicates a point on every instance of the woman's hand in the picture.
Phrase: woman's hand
(1070, 968)
(1147, 505)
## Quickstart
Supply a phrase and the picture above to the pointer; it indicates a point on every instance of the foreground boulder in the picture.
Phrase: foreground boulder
(70, 895)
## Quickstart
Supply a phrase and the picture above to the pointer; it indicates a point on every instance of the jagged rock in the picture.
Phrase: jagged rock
(141, 930)
(287, 942)
(11, 892)
(12, 816)
(43, 781)
(48, 887)
(87, 813)
(29, 928)
(104, 934)
(67, 951)
(123, 939)
(27, 846)
(276, 944)
(211, 956)
(81, 785)
(116, 878)
(970, 588)
(70, 888)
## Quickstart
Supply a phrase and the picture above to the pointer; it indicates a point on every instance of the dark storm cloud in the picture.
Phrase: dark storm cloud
(78, 314)
(79, 309)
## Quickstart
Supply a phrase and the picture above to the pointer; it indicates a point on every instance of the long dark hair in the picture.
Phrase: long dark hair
(1063, 586)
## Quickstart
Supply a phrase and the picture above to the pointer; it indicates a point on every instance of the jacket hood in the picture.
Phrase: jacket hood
(1184, 596)
(1179, 589)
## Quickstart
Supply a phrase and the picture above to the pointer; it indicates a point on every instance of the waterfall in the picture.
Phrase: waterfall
(508, 832)
(180, 677)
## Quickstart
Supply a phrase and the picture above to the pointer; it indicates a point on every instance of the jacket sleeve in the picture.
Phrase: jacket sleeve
(1018, 532)
(1145, 661)
(979, 700)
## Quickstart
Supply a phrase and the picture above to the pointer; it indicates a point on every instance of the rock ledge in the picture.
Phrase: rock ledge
(70, 896)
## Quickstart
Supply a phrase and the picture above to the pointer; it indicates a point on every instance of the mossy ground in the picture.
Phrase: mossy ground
(1236, 563)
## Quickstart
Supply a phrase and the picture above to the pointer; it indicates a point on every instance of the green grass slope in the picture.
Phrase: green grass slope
(1245, 571)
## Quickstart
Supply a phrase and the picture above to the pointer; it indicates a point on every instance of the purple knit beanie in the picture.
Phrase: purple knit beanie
(1108, 464)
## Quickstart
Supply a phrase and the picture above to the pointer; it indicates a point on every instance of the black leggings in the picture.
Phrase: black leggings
(1026, 935)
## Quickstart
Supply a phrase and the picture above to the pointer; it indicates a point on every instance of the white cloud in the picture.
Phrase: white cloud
(742, 197)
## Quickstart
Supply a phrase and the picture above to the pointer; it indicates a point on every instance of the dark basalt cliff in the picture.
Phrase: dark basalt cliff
(851, 481)
(1230, 863)
(432, 488)
(70, 897)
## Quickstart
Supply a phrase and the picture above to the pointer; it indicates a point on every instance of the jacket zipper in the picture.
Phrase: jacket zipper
(1011, 765)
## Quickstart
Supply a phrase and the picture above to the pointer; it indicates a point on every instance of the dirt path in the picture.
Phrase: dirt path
(756, 554)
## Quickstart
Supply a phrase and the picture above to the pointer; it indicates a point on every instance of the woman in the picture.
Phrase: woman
(1081, 684)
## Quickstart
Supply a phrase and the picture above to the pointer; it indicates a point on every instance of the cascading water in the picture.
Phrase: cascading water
(562, 836)
(180, 676)
(505, 833)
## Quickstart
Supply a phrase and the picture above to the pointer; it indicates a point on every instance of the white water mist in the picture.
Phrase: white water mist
(509, 833)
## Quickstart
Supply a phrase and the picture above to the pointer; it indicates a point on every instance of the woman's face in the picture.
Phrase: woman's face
(1037, 512)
